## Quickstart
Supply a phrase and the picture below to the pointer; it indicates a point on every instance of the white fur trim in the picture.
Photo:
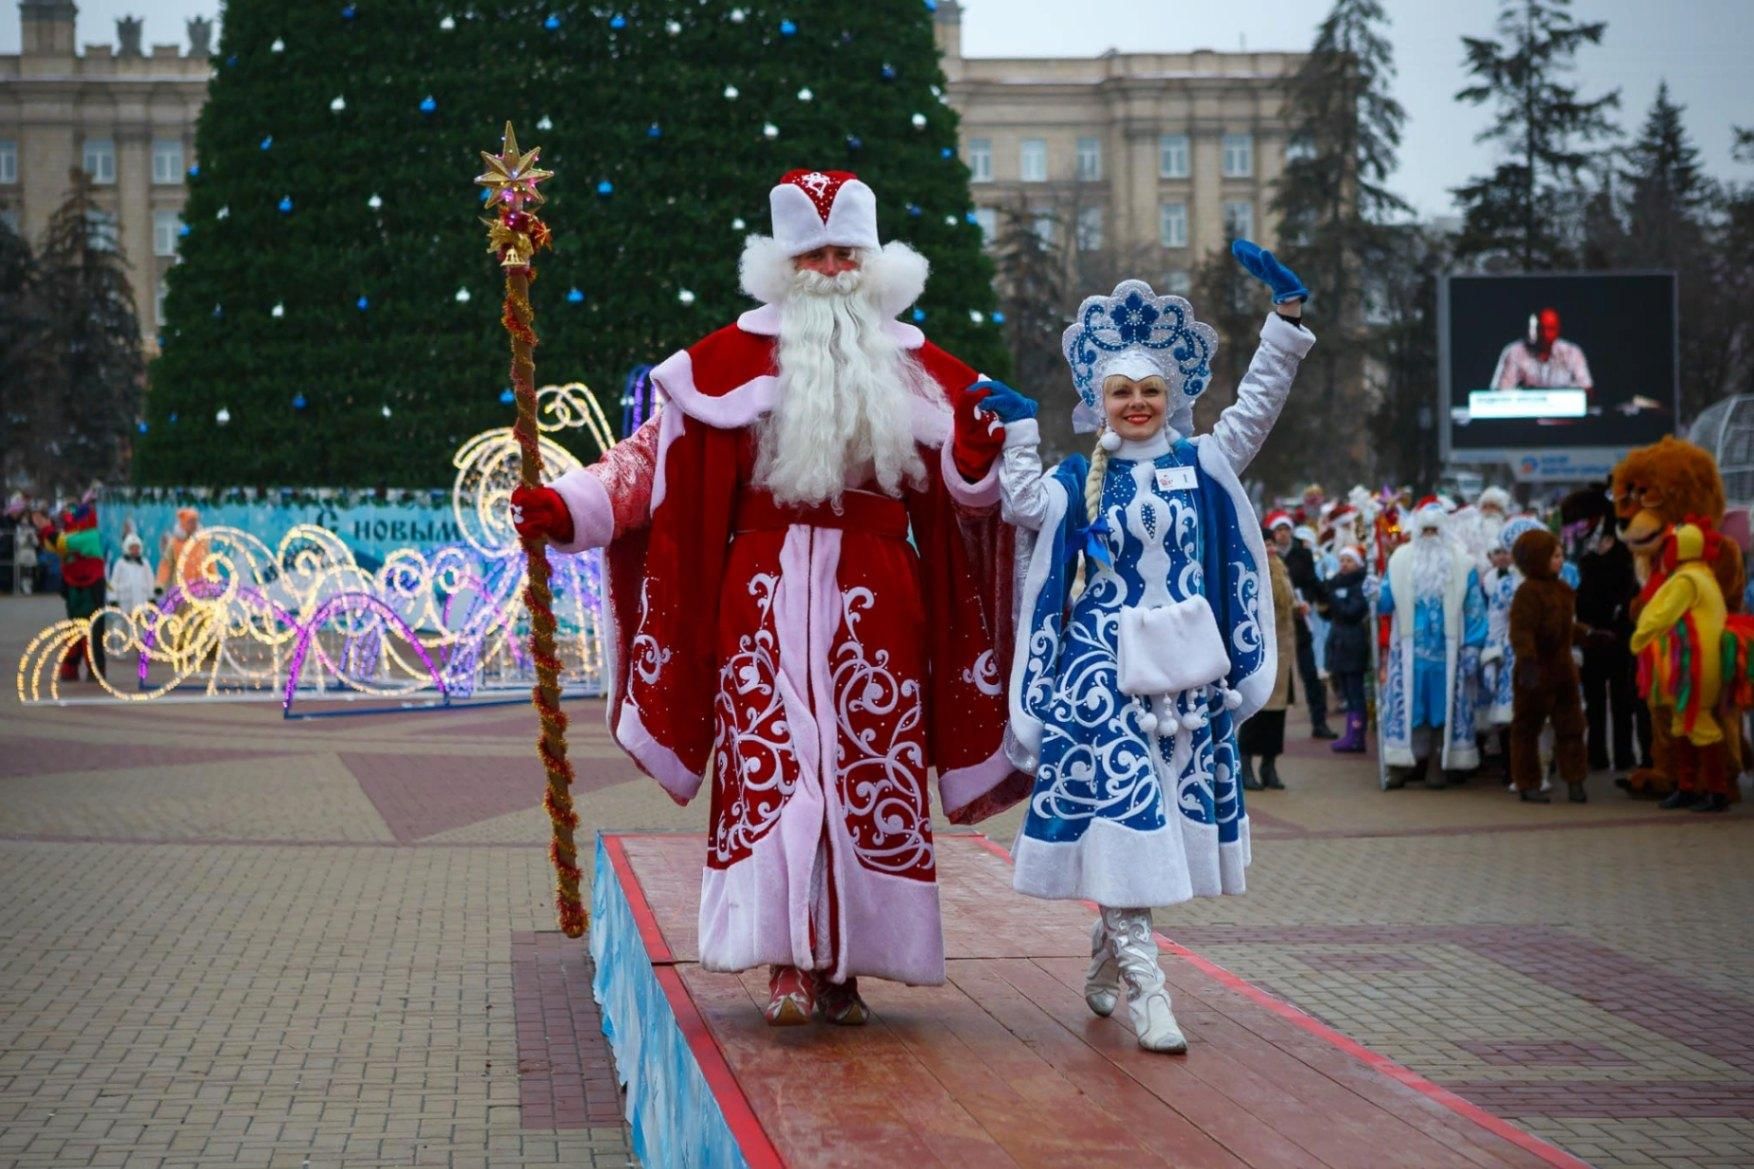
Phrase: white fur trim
(851, 222)
(1023, 432)
(1282, 334)
(1024, 740)
(960, 786)
(1115, 865)
(593, 520)
(973, 496)
(900, 274)
(659, 761)
(737, 407)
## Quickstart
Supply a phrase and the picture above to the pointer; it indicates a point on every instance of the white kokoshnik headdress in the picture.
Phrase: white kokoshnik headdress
(1135, 332)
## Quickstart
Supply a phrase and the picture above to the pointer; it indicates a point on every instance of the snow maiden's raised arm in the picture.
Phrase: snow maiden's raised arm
(1243, 428)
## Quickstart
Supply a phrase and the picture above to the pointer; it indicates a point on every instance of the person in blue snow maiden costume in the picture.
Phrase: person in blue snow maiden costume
(1125, 696)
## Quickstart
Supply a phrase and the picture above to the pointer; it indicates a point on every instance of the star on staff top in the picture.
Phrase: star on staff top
(512, 175)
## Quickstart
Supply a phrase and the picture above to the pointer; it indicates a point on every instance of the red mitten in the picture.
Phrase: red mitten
(540, 512)
(977, 438)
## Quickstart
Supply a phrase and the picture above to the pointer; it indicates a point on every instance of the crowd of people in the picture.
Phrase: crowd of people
(58, 548)
(1502, 640)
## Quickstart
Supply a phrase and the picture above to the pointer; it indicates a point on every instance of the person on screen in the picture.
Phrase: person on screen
(1542, 361)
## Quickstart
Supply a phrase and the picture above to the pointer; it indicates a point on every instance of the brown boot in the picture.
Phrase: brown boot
(791, 996)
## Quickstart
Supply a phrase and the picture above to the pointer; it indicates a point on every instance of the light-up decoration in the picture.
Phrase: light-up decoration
(305, 620)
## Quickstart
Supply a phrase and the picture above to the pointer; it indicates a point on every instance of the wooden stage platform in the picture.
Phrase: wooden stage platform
(1002, 1066)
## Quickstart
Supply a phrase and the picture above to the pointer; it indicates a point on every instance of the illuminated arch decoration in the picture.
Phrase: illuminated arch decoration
(304, 620)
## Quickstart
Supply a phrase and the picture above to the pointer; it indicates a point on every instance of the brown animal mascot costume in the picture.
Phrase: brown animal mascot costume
(1545, 685)
(1655, 488)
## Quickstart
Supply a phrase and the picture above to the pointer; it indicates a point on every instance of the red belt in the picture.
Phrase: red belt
(861, 511)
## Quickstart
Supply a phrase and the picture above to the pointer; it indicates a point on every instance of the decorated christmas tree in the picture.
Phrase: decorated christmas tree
(334, 319)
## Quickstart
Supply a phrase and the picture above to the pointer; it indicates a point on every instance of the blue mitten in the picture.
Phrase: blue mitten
(1003, 402)
(1265, 267)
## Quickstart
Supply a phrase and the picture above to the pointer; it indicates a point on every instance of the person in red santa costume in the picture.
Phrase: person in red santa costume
(776, 626)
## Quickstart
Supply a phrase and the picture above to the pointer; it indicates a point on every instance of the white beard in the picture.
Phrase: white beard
(1431, 565)
(843, 406)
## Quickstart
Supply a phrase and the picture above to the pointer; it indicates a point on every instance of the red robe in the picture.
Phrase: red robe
(814, 660)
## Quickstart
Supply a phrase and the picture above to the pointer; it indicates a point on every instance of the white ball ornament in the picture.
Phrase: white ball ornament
(223, 212)
(279, 46)
(223, 416)
(770, 131)
(685, 296)
(1110, 441)
(375, 203)
(736, 16)
(805, 94)
(1168, 724)
(462, 296)
(447, 24)
(1148, 723)
(730, 93)
(547, 123)
(1232, 699)
(737, 224)
(386, 410)
(673, 27)
(278, 311)
(919, 121)
(976, 315)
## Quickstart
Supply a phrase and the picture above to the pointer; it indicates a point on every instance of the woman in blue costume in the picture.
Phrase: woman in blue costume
(1125, 697)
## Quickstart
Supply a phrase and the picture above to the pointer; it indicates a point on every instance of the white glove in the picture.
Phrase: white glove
(1372, 586)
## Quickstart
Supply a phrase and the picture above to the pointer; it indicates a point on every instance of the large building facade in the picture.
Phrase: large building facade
(122, 113)
(1154, 158)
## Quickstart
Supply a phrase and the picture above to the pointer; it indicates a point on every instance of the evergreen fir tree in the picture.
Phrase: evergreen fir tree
(336, 297)
(1332, 201)
(1033, 292)
(24, 348)
(1523, 212)
(1403, 297)
(94, 370)
(1667, 194)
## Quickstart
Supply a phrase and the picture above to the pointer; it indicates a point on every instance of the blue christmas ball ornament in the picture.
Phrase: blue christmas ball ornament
(298, 402)
(919, 315)
(913, 210)
(605, 188)
(552, 23)
(267, 143)
(218, 312)
(618, 21)
(427, 105)
(140, 426)
(931, 5)
(506, 397)
(286, 204)
(173, 417)
(998, 318)
(349, 12)
(972, 218)
(946, 152)
(787, 28)
(183, 231)
(854, 142)
(654, 131)
(486, 194)
(574, 296)
(362, 304)
(195, 170)
(888, 71)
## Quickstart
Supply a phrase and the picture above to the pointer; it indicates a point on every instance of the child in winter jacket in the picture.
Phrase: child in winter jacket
(1347, 609)
(1544, 682)
(131, 579)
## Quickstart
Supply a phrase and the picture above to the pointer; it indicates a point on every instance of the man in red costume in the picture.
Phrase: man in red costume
(804, 561)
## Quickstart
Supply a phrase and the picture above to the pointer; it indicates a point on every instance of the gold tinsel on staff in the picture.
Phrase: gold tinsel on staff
(515, 234)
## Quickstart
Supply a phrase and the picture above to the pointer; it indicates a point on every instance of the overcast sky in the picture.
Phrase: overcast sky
(1703, 48)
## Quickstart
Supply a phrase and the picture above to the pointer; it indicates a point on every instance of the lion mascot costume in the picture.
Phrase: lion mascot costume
(1655, 488)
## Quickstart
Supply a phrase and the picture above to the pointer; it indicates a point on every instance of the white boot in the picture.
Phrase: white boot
(1135, 948)
(1102, 982)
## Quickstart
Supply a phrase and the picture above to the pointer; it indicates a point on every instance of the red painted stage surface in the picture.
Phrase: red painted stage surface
(1005, 1066)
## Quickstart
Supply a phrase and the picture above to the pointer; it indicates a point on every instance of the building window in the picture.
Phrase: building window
(8, 163)
(980, 160)
(101, 230)
(167, 161)
(1172, 156)
(165, 228)
(988, 221)
(10, 218)
(1172, 225)
(1239, 156)
(1090, 229)
(1239, 220)
(1089, 159)
(1032, 161)
(100, 160)
(1045, 225)
(1178, 282)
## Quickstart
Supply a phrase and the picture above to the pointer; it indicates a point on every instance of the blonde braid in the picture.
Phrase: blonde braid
(1093, 482)
(1092, 506)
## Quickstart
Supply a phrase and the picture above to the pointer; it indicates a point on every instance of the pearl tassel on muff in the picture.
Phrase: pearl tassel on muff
(1168, 723)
